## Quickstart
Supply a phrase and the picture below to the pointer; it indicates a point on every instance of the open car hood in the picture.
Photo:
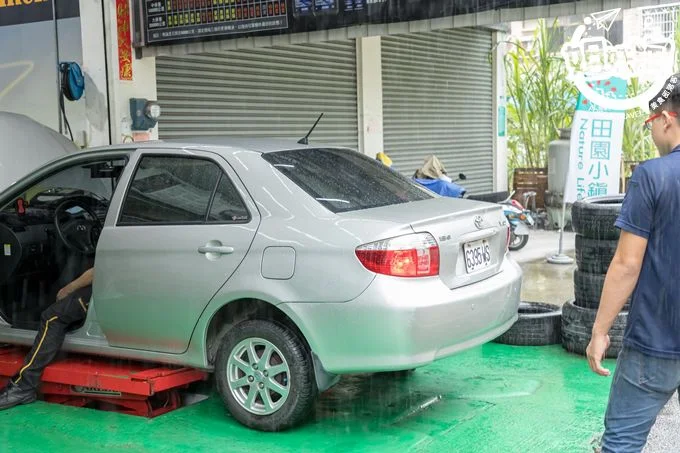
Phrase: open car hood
(26, 145)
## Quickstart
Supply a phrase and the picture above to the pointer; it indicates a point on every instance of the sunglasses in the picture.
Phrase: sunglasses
(648, 121)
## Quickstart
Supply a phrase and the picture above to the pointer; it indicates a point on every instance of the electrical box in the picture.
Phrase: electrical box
(144, 114)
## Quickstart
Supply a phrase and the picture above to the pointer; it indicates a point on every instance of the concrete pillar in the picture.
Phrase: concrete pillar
(369, 95)
(500, 133)
(142, 85)
(96, 98)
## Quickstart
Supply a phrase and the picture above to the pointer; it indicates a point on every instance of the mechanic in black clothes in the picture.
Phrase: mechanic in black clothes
(70, 307)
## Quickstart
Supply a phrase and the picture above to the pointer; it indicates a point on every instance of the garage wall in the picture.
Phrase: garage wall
(266, 92)
(438, 99)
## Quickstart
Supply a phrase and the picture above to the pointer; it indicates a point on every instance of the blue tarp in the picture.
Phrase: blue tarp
(445, 188)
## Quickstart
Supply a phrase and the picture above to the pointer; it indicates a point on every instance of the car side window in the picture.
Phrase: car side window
(95, 179)
(74, 180)
(179, 190)
(227, 206)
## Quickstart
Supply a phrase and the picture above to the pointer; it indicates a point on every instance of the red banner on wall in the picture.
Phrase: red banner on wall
(124, 40)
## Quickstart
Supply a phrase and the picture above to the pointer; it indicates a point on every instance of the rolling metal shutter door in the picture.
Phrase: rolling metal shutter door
(267, 92)
(437, 99)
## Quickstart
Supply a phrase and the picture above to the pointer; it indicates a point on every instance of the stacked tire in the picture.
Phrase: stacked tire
(538, 324)
(596, 241)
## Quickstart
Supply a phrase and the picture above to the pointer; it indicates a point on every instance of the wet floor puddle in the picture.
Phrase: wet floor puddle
(420, 405)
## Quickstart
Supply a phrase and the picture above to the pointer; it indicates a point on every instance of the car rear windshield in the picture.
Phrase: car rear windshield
(344, 180)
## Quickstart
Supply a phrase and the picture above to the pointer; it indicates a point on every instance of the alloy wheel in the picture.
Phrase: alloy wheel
(258, 376)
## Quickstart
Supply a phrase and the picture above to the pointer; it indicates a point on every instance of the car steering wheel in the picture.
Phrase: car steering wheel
(78, 226)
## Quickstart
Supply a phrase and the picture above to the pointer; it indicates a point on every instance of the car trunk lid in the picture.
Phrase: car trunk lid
(471, 235)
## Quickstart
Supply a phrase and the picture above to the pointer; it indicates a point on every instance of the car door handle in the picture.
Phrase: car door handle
(219, 249)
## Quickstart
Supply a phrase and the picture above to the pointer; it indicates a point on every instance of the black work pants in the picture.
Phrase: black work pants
(54, 322)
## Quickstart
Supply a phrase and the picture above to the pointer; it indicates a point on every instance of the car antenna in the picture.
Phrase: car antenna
(304, 140)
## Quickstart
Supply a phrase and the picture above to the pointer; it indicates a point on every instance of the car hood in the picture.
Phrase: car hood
(27, 145)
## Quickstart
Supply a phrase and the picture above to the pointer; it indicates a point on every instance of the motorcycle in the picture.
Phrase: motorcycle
(520, 220)
(444, 186)
(433, 176)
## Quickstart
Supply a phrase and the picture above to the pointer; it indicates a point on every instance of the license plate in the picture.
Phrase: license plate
(477, 255)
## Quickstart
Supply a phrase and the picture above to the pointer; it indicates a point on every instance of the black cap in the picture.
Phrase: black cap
(670, 87)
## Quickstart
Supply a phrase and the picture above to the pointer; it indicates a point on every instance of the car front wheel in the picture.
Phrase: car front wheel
(265, 376)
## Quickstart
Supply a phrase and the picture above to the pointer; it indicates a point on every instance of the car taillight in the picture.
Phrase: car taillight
(413, 255)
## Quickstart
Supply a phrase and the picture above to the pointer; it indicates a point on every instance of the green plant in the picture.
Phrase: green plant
(541, 99)
(637, 141)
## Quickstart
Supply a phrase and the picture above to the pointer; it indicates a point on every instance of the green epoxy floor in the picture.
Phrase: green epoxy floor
(494, 398)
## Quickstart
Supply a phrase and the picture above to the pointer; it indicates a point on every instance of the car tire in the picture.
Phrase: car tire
(594, 255)
(594, 217)
(538, 324)
(588, 289)
(577, 325)
(238, 382)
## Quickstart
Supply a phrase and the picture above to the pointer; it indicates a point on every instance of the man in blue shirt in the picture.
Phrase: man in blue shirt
(647, 266)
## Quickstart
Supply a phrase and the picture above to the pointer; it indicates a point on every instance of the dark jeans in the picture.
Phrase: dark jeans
(641, 387)
(55, 321)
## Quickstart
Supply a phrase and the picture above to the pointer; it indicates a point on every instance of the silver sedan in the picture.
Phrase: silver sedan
(277, 266)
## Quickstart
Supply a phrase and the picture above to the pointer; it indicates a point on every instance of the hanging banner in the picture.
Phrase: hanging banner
(124, 40)
(596, 144)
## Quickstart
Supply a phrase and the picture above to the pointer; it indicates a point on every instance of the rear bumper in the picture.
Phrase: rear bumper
(400, 323)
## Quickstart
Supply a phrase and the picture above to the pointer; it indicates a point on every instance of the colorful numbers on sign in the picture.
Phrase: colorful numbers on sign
(220, 9)
(180, 19)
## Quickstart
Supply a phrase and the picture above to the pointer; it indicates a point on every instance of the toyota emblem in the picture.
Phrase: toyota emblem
(479, 222)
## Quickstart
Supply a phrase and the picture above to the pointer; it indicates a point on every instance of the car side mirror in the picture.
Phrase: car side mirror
(462, 176)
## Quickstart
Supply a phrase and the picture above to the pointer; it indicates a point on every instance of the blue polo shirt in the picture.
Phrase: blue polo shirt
(651, 209)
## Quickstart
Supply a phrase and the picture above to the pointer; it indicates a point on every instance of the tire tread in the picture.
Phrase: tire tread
(594, 255)
(595, 217)
(577, 324)
(534, 329)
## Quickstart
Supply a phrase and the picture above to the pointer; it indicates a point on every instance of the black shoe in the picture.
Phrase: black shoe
(14, 395)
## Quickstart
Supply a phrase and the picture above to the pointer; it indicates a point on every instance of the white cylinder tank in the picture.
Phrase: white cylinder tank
(558, 162)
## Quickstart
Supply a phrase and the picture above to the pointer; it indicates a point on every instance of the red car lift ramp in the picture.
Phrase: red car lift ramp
(128, 387)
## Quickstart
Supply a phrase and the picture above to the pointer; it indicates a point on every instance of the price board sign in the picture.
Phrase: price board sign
(170, 20)
(161, 22)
